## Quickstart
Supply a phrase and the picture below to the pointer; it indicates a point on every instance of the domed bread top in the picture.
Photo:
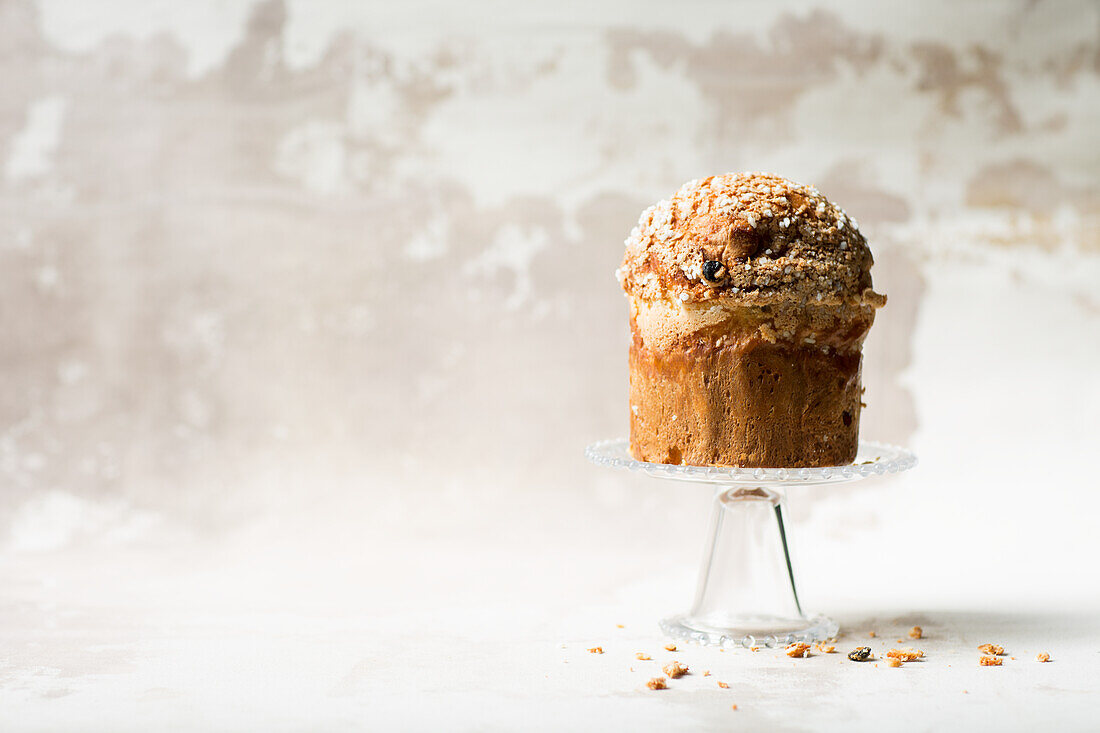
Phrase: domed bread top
(753, 238)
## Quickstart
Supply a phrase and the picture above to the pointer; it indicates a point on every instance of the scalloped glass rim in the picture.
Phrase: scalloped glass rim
(873, 459)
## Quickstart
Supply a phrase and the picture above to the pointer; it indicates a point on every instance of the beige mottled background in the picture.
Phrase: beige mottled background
(309, 305)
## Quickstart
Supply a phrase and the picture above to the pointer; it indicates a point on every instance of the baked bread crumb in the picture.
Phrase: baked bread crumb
(916, 632)
(723, 685)
(596, 650)
(670, 647)
(675, 670)
(657, 683)
(992, 649)
(893, 662)
(990, 661)
(908, 654)
(643, 656)
(797, 650)
(1042, 657)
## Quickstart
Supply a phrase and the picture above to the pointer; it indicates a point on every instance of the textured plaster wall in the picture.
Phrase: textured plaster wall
(277, 273)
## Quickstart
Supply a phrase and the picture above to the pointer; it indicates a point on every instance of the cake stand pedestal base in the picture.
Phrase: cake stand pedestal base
(747, 594)
(750, 632)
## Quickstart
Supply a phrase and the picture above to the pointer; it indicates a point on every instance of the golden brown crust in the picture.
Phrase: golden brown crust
(750, 403)
(768, 238)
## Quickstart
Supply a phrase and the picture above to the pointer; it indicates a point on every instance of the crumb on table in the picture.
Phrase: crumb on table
(990, 661)
(1042, 657)
(907, 654)
(916, 632)
(675, 670)
(670, 647)
(895, 662)
(706, 673)
(798, 649)
(733, 707)
(596, 650)
(643, 656)
(992, 649)
(657, 683)
(825, 648)
(872, 634)
(723, 685)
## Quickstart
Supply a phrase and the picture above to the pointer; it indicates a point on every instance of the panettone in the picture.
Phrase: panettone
(750, 297)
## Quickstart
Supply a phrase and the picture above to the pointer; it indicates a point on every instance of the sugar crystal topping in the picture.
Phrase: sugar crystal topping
(775, 238)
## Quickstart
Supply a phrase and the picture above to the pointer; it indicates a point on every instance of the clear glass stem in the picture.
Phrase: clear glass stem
(747, 592)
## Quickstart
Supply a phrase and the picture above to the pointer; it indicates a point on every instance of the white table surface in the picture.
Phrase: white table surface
(440, 612)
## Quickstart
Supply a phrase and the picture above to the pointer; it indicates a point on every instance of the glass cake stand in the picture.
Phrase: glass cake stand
(747, 594)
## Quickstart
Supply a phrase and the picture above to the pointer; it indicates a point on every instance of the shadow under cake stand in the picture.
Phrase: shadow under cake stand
(747, 594)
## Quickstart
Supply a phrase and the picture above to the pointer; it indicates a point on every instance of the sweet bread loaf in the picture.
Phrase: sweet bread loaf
(750, 297)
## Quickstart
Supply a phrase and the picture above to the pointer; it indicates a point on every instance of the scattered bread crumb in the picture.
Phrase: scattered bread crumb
(670, 647)
(754, 648)
(916, 632)
(643, 656)
(992, 649)
(990, 661)
(908, 654)
(1042, 657)
(675, 670)
(797, 650)
(723, 685)
(657, 683)
(893, 662)
(596, 650)
(872, 634)
(733, 707)
(707, 673)
(619, 626)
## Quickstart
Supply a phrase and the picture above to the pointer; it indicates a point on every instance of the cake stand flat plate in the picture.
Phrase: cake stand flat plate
(873, 459)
